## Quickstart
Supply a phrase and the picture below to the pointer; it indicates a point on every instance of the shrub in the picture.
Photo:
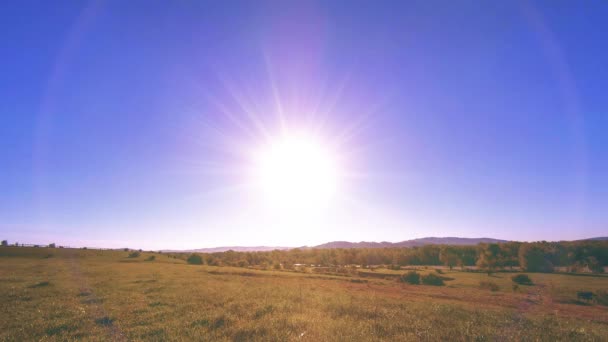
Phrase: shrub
(440, 271)
(151, 258)
(52, 245)
(489, 285)
(522, 279)
(585, 295)
(134, 255)
(411, 277)
(4, 243)
(602, 297)
(432, 279)
(195, 259)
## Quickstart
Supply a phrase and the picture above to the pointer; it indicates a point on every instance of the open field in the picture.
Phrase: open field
(68, 294)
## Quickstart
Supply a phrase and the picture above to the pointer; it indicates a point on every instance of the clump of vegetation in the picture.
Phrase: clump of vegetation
(105, 321)
(438, 270)
(195, 259)
(134, 254)
(151, 258)
(522, 279)
(601, 297)
(489, 285)
(411, 277)
(432, 279)
(585, 295)
(359, 281)
(41, 284)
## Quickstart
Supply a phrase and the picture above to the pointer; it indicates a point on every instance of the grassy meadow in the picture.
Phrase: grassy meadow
(75, 294)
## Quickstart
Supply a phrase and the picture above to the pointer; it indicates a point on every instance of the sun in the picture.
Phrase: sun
(296, 172)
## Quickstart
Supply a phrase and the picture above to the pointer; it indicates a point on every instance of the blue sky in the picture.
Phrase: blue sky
(128, 123)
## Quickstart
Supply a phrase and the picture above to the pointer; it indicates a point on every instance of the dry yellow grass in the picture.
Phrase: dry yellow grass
(103, 295)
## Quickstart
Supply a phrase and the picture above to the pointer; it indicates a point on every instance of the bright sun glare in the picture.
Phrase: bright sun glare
(296, 172)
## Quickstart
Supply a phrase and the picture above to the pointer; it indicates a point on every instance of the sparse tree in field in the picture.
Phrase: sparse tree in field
(195, 259)
(52, 245)
(411, 277)
(4, 243)
(522, 279)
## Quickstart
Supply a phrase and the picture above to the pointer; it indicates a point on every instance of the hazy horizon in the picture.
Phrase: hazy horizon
(266, 123)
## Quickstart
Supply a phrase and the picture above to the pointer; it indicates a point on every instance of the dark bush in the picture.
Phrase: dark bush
(488, 285)
(134, 255)
(411, 277)
(440, 271)
(432, 279)
(522, 279)
(585, 295)
(195, 259)
(151, 258)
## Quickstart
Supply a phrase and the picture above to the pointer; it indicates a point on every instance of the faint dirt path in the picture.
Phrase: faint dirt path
(96, 311)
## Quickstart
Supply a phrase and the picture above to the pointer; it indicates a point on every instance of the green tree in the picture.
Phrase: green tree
(534, 258)
(449, 257)
(489, 257)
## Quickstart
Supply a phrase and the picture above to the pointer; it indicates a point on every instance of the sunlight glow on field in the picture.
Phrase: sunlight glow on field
(295, 172)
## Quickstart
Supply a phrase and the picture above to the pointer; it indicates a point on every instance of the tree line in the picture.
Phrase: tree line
(540, 256)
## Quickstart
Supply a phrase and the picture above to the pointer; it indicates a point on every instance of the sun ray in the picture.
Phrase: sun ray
(276, 96)
(253, 118)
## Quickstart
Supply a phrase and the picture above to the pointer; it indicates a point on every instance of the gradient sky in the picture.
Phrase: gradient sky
(125, 123)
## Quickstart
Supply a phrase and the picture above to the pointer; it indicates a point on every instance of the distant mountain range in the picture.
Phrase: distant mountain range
(455, 241)
(235, 248)
(600, 238)
(411, 243)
